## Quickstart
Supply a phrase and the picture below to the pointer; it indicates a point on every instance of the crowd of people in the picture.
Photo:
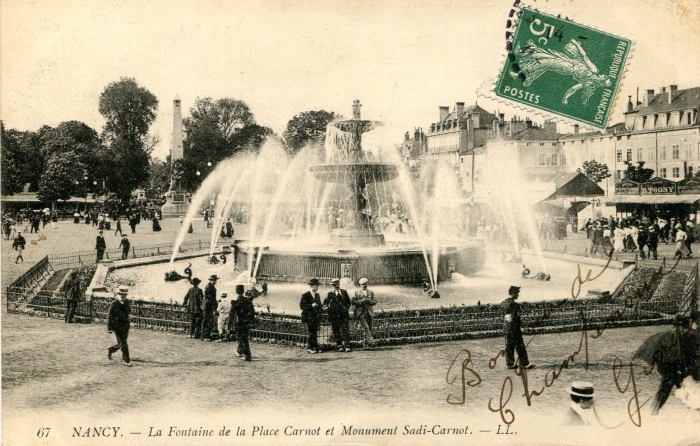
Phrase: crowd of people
(640, 234)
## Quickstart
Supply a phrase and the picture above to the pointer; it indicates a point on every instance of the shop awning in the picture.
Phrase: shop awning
(654, 199)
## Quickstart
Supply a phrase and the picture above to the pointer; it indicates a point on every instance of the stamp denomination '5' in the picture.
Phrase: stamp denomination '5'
(563, 68)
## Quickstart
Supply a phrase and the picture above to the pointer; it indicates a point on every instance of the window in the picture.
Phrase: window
(542, 157)
(554, 159)
(676, 172)
(563, 159)
(650, 154)
(639, 154)
(674, 151)
(541, 144)
(619, 155)
(629, 154)
(662, 172)
(662, 153)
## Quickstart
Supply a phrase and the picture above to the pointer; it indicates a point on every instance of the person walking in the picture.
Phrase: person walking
(245, 318)
(224, 310)
(209, 305)
(310, 305)
(119, 227)
(54, 219)
(338, 304)
(156, 225)
(118, 323)
(71, 288)
(653, 241)
(364, 303)
(680, 238)
(125, 244)
(193, 303)
(510, 310)
(100, 246)
(18, 244)
(690, 237)
(132, 222)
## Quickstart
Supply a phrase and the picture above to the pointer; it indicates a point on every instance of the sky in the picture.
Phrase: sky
(401, 59)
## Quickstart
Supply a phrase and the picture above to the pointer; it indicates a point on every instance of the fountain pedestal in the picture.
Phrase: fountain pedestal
(176, 204)
(347, 238)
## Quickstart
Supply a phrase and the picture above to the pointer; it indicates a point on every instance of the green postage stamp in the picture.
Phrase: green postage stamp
(563, 68)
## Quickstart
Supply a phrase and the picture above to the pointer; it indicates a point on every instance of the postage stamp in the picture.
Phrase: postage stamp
(563, 67)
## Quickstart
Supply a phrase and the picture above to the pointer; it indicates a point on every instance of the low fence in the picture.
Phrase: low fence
(83, 258)
(630, 307)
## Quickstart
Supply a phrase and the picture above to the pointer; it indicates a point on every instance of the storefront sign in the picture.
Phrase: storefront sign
(689, 186)
(658, 186)
(627, 187)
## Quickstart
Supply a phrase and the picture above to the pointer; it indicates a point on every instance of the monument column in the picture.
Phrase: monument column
(177, 200)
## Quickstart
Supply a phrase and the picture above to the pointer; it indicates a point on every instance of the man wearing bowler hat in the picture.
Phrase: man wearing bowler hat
(510, 310)
(193, 303)
(338, 304)
(209, 305)
(310, 305)
(100, 246)
(364, 303)
(245, 318)
(118, 322)
(580, 413)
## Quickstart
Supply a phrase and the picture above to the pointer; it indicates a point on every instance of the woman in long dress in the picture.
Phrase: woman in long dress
(681, 248)
(156, 225)
(619, 243)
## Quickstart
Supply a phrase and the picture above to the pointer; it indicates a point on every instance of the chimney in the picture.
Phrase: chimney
(459, 108)
(672, 90)
(356, 109)
(502, 117)
(575, 129)
(649, 97)
(444, 112)
(475, 119)
(406, 138)
(550, 126)
(629, 103)
(416, 134)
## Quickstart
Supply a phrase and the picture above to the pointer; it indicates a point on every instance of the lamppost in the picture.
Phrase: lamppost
(85, 177)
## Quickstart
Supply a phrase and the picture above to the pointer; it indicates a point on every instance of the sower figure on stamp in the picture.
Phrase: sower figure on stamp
(118, 322)
(245, 318)
(209, 305)
(338, 304)
(364, 303)
(310, 305)
(510, 310)
(193, 302)
(72, 294)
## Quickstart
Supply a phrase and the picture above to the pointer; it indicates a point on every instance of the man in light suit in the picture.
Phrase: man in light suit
(337, 303)
(364, 303)
(580, 413)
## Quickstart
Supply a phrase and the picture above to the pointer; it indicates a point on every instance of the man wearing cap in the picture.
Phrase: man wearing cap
(310, 305)
(653, 241)
(125, 245)
(18, 244)
(510, 310)
(580, 413)
(209, 305)
(364, 303)
(100, 246)
(224, 309)
(118, 322)
(193, 302)
(338, 304)
(245, 317)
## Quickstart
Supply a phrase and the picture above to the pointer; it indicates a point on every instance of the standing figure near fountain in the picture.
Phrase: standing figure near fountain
(245, 317)
(100, 246)
(193, 303)
(118, 323)
(310, 305)
(512, 330)
(209, 305)
(337, 304)
(364, 302)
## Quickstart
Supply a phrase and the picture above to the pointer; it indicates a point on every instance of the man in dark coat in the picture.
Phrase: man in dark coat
(653, 240)
(118, 322)
(245, 318)
(229, 228)
(125, 244)
(338, 305)
(18, 244)
(510, 310)
(132, 222)
(193, 302)
(100, 246)
(71, 288)
(310, 305)
(209, 305)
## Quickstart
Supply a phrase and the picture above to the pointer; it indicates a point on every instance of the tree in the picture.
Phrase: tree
(59, 180)
(129, 110)
(22, 161)
(595, 171)
(307, 128)
(638, 173)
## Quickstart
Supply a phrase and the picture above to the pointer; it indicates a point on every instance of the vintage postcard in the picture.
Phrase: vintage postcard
(262, 222)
